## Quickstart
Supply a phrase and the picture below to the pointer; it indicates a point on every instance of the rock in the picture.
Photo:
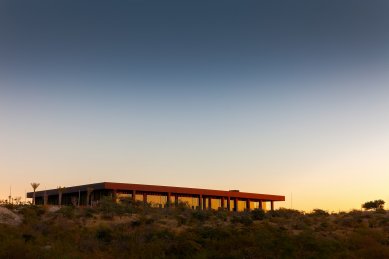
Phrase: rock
(8, 217)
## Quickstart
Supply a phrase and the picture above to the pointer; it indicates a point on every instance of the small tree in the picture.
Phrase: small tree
(34, 186)
(374, 205)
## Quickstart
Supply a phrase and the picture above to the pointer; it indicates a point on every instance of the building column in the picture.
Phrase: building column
(222, 202)
(144, 198)
(201, 202)
(133, 195)
(271, 205)
(176, 200)
(260, 204)
(228, 203)
(248, 204)
(209, 203)
(114, 195)
(235, 204)
(45, 198)
(168, 202)
(204, 203)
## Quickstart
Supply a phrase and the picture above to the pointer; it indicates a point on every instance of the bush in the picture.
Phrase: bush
(319, 213)
(104, 234)
(258, 214)
(201, 215)
(67, 211)
(222, 215)
(243, 218)
(376, 205)
(285, 213)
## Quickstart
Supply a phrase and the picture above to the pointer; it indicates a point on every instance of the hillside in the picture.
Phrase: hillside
(138, 231)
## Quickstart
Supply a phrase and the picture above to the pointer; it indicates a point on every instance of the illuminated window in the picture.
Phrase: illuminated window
(191, 202)
(215, 203)
(241, 205)
(264, 207)
(139, 197)
(157, 200)
(232, 205)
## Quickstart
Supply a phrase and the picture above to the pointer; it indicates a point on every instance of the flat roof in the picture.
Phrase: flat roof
(161, 189)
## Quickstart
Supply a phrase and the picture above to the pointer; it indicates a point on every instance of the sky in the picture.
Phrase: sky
(276, 97)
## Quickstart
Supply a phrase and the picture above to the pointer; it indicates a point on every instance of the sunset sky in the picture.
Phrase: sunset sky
(277, 97)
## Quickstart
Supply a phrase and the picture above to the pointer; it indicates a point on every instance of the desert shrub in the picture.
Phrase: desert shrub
(32, 213)
(67, 211)
(319, 213)
(243, 218)
(201, 215)
(110, 208)
(380, 211)
(299, 224)
(182, 206)
(136, 222)
(376, 205)
(222, 215)
(183, 247)
(104, 234)
(181, 219)
(258, 214)
(284, 213)
(88, 212)
(146, 219)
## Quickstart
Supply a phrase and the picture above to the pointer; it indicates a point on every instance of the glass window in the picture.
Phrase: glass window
(264, 207)
(139, 197)
(216, 203)
(232, 205)
(192, 202)
(241, 205)
(123, 197)
(157, 200)
(254, 205)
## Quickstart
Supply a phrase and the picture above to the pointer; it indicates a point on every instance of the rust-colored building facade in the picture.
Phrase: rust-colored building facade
(157, 196)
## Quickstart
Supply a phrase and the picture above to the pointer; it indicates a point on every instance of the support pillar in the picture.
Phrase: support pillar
(204, 203)
(176, 200)
(133, 195)
(209, 203)
(144, 198)
(45, 198)
(168, 202)
(201, 202)
(235, 204)
(228, 204)
(114, 195)
(248, 204)
(271, 205)
(260, 205)
(222, 202)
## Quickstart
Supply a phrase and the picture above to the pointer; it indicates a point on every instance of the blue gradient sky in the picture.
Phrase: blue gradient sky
(263, 97)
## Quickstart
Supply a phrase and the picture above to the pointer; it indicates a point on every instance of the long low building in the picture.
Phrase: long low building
(155, 195)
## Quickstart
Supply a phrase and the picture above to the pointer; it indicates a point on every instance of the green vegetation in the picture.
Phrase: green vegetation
(134, 230)
(374, 205)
